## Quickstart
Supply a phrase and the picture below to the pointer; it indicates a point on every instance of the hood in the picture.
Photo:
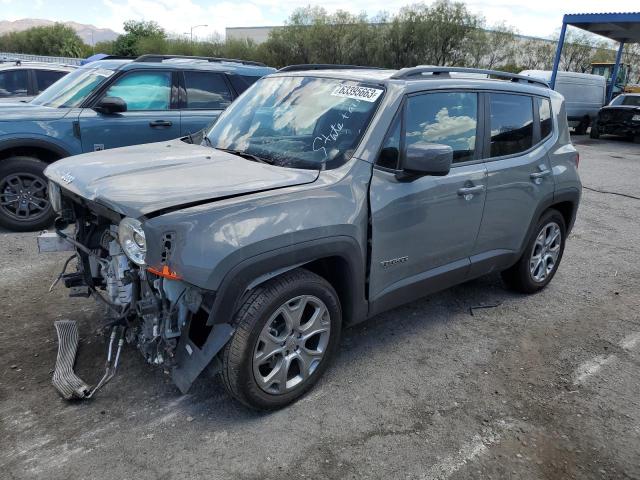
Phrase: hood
(17, 111)
(144, 179)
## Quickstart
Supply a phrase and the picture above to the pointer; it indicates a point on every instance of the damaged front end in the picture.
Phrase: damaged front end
(149, 307)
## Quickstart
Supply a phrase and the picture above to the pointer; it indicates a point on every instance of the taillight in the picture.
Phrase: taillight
(577, 159)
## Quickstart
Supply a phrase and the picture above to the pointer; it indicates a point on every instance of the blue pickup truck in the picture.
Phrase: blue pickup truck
(108, 104)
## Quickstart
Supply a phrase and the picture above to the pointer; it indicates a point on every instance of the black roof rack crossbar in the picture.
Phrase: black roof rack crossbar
(407, 73)
(324, 66)
(148, 58)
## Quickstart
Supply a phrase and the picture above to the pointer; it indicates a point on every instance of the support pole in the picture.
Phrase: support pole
(614, 75)
(556, 60)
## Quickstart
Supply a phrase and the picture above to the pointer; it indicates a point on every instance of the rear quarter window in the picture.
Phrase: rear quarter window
(544, 113)
(241, 82)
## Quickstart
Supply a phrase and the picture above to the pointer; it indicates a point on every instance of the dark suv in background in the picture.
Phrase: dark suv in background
(21, 81)
(107, 104)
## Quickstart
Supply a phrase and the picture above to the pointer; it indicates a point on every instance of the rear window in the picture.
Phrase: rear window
(206, 90)
(46, 78)
(511, 124)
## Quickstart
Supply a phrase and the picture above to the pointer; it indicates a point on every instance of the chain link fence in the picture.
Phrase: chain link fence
(6, 56)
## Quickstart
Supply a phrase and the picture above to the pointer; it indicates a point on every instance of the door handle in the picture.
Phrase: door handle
(538, 176)
(160, 123)
(469, 192)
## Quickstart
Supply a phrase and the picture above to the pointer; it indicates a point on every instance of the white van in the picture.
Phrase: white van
(584, 94)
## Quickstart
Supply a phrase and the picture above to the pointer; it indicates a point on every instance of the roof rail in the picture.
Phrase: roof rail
(159, 58)
(323, 66)
(407, 73)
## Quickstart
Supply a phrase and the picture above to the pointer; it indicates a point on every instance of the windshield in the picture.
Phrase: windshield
(302, 122)
(633, 100)
(71, 90)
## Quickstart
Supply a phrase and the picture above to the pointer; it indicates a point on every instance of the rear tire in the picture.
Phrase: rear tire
(581, 128)
(273, 357)
(594, 133)
(24, 201)
(541, 257)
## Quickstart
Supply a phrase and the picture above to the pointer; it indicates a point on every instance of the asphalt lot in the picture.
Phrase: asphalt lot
(544, 386)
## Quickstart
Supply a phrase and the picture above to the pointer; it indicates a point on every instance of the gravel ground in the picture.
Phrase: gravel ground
(542, 386)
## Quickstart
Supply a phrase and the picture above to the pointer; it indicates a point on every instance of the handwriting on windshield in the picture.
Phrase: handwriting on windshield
(329, 138)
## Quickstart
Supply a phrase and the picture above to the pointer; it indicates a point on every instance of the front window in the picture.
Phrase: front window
(302, 122)
(13, 83)
(71, 90)
(444, 118)
(143, 90)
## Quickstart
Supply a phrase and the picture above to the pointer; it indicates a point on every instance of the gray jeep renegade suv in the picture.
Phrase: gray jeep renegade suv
(320, 198)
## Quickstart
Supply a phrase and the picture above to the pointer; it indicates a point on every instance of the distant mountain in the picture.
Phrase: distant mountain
(88, 33)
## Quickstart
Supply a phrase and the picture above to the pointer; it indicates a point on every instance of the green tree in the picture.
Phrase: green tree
(434, 35)
(56, 40)
(491, 48)
(130, 43)
(579, 51)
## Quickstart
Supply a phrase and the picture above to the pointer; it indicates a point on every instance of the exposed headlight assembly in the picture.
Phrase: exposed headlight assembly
(636, 118)
(55, 196)
(132, 240)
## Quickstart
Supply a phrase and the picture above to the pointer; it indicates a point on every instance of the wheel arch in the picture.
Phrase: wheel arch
(565, 201)
(337, 259)
(43, 150)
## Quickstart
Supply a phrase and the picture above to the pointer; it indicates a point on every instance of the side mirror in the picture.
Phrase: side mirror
(110, 105)
(423, 158)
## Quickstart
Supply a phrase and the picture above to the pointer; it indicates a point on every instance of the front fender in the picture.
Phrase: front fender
(56, 145)
(192, 359)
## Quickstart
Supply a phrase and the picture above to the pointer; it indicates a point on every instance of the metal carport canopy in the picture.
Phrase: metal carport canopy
(619, 27)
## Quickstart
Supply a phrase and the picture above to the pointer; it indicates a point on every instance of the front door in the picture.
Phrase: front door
(424, 230)
(149, 116)
(520, 176)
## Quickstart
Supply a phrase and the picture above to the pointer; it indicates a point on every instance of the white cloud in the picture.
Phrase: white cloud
(178, 17)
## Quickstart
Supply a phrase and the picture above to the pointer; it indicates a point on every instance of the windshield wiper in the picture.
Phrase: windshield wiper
(248, 156)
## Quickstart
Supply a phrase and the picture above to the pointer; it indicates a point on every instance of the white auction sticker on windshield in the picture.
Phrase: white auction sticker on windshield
(357, 93)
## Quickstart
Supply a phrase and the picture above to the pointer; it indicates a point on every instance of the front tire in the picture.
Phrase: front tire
(542, 255)
(287, 332)
(24, 201)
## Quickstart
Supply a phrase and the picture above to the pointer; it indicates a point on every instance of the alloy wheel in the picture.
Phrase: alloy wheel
(292, 344)
(23, 197)
(546, 251)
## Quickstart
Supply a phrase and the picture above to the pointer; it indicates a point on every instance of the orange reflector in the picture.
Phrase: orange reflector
(166, 272)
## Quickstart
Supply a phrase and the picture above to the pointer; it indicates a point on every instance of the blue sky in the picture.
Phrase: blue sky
(537, 18)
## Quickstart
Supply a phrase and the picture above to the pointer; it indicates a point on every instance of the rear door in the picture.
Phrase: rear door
(520, 176)
(152, 114)
(424, 230)
(206, 95)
